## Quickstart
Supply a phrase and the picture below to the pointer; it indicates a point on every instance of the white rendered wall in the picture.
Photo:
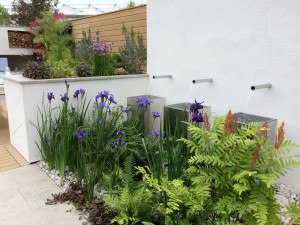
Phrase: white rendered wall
(238, 44)
(4, 45)
(23, 96)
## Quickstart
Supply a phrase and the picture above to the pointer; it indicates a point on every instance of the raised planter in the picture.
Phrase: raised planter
(176, 113)
(24, 96)
(245, 118)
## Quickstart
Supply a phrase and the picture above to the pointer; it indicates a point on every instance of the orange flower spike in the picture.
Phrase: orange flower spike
(280, 136)
(264, 133)
(254, 158)
(206, 122)
(227, 123)
(230, 125)
(234, 124)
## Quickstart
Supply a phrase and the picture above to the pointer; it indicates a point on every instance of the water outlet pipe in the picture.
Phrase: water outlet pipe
(261, 86)
(202, 80)
(162, 76)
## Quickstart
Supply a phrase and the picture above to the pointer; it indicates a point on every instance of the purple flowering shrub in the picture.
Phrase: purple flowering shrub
(101, 57)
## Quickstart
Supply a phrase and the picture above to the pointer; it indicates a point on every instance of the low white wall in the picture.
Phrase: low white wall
(23, 96)
(238, 44)
(4, 46)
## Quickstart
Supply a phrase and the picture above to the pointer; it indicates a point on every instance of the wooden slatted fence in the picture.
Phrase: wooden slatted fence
(110, 25)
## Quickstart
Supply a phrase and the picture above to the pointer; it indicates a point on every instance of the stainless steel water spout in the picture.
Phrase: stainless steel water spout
(162, 76)
(261, 86)
(202, 80)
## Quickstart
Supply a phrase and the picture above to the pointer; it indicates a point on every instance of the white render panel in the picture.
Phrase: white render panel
(238, 44)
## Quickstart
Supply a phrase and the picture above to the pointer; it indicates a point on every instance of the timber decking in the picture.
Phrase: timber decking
(10, 158)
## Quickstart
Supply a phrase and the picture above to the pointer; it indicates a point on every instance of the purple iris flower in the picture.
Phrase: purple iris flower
(197, 117)
(103, 94)
(55, 131)
(76, 93)
(64, 98)
(102, 122)
(50, 96)
(47, 141)
(79, 91)
(111, 99)
(155, 114)
(143, 102)
(101, 105)
(58, 123)
(126, 110)
(119, 142)
(196, 106)
(156, 134)
(82, 91)
(120, 132)
(80, 134)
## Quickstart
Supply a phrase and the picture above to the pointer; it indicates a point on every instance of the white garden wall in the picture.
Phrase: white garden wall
(238, 44)
(23, 96)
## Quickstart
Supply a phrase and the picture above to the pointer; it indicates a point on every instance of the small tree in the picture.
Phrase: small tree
(23, 12)
(4, 16)
(130, 4)
(133, 53)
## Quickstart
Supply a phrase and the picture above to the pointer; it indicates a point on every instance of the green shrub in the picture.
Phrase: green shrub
(61, 69)
(102, 65)
(133, 53)
(116, 60)
(84, 70)
(83, 51)
(36, 70)
(52, 34)
(120, 71)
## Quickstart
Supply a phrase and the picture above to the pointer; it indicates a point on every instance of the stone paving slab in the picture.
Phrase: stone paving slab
(23, 192)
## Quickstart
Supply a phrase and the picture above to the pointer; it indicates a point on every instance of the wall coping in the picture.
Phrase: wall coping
(19, 79)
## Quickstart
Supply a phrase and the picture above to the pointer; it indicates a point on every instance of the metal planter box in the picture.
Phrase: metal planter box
(244, 118)
(176, 113)
(157, 106)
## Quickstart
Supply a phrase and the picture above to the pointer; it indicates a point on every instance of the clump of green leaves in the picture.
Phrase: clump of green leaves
(36, 70)
(133, 53)
(83, 51)
(84, 70)
(60, 70)
(120, 71)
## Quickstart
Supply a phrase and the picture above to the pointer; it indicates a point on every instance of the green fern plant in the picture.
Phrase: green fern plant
(294, 212)
(240, 167)
(131, 199)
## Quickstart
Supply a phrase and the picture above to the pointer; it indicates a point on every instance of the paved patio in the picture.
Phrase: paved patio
(25, 188)
(23, 193)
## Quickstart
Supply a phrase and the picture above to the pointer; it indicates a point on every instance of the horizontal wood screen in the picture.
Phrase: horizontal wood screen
(110, 25)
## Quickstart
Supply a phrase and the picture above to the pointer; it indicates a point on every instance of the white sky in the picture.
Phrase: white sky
(83, 7)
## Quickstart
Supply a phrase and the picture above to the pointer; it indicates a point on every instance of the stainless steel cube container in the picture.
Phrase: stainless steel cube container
(176, 113)
(157, 106)
(244, 118)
